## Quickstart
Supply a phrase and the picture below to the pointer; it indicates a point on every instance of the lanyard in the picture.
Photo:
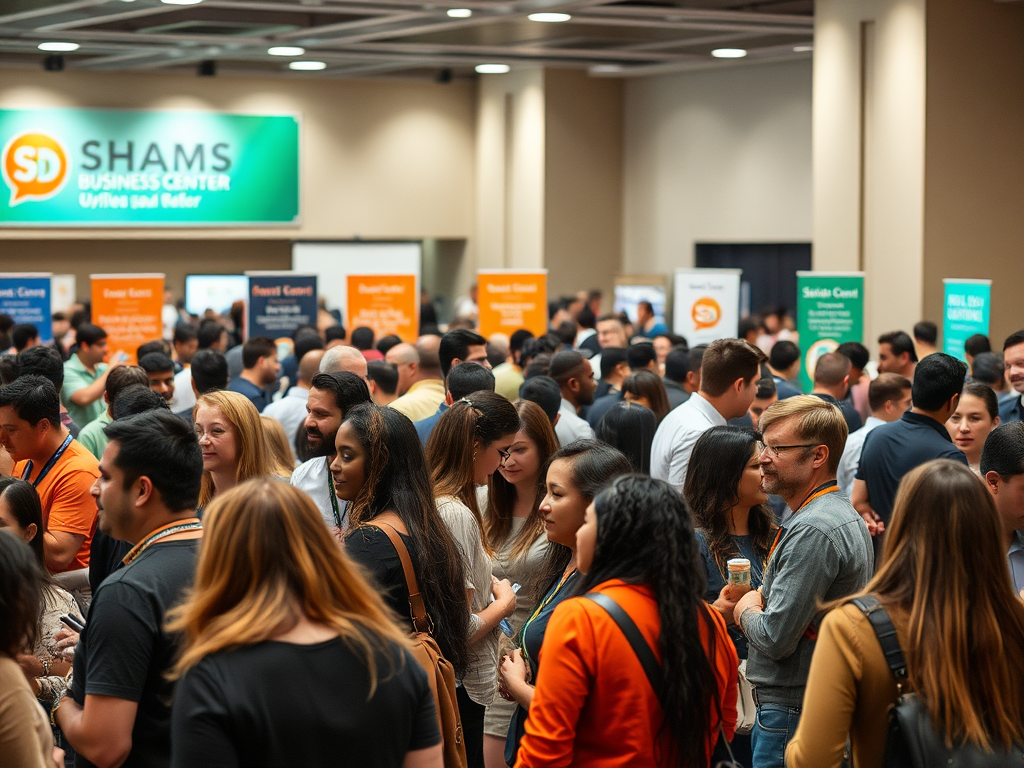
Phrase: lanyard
(537, 611)
(189, 524)
(825, 488)
(48, 465)
(333, 495)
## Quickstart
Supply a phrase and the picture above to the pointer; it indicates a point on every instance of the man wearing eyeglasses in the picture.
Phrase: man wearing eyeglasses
(823, 553)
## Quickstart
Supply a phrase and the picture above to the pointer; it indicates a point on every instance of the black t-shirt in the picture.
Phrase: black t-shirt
(369, 546)
(124, 651)
(283, 704)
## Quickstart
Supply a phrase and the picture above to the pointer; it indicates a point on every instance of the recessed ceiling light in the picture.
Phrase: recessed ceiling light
(803, 48)
(460, 13)
(286, 50)
(182, 2)
(604, 69)
(59, 47)
(551, 18)
(729, 53)
(492, 69)
(307, 66)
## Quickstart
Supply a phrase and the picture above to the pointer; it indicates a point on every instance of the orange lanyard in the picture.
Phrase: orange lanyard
(188, 524)
(821, 490)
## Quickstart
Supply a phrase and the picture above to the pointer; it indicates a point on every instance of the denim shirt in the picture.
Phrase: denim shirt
(824, 554)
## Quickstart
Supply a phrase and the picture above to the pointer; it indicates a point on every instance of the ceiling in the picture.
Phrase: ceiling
(403, 38)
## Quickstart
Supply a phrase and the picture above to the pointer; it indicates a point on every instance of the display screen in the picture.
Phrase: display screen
(216, 292)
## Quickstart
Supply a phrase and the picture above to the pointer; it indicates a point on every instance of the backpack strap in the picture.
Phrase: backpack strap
(886, 633)
(417, 608)
(640, 646)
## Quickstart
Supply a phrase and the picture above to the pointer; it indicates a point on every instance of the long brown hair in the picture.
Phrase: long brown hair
(266, 558)
(471, 424)
(501, 494)
(253, 457)
(278, 447)
(944, 562)
(648, 384)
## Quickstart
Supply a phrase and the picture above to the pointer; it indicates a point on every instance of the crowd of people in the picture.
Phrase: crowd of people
(596, 547)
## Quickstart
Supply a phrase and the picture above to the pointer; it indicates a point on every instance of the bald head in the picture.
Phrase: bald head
(428, 349)
(309, 366)
(345, 358)
(402, 354)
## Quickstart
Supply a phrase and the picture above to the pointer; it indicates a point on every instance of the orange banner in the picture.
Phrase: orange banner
(386, 303)
(128, 308)
(510, 300)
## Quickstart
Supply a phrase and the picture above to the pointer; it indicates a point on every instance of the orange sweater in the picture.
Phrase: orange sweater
(593, 705)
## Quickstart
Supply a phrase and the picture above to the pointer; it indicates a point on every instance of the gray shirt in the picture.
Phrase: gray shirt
(824, 554)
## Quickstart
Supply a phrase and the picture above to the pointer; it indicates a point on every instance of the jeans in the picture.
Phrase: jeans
(774, 726)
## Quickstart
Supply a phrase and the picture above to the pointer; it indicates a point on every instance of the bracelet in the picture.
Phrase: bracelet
(55, 706)
(46, 668)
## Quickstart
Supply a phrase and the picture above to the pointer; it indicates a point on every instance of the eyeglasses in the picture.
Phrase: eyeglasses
(504, 455)
(776, 450)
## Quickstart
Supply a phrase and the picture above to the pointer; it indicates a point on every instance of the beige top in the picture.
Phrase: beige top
(25, 737)
(56, 602)
(480, 679)
(849, 691)
(422, 399)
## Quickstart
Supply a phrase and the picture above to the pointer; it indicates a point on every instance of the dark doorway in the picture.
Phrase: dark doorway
(769, 270)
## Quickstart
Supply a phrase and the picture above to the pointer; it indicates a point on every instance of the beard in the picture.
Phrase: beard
(776, 485)
(319, 443)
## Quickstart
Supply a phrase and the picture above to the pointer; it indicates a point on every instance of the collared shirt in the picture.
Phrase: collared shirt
(675, 438)
(425, 426)
(850, 415)
(92, 436)
(851, 455)
(311, 478)
(256, 396)
(570, 426)
(892, 450)
(77, 377)
(183, 391)
(1015, 559)
(676, 394)
(290, 411)
(785, 388)
(421, 400)
(507, 380)
(1012, 410)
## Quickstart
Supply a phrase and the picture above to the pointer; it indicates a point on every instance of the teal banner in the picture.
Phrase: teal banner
(965, 312)
(829, 311)
(117, 168)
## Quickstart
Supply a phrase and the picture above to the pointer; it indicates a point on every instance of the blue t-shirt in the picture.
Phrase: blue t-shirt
(716, 580)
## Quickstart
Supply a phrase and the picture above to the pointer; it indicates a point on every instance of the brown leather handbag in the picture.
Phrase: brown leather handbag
(440, 672)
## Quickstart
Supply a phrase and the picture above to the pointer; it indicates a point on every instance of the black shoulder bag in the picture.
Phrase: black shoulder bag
(912, 741)
(647, 659)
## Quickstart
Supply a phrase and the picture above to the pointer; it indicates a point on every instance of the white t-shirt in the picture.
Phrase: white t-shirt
(676, 436)
(570, 426)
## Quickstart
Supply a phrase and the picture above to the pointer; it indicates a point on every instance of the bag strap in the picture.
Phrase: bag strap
(640, 646)
(417, 608)
(886, 633)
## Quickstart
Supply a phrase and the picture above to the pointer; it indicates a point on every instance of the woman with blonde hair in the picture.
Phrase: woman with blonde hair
(469, 443)
(944, 583)
(277, 446)
(234, 446)
(514, 527)
(290, 656)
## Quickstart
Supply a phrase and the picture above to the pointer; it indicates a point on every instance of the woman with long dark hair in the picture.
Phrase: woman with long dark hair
(647, 389)
(514, 527)
(593, 703)
(572, 478)
(977, 414)
(630, 427)
(467, 446)
(944, 582)
(290, 656)
(380, 470)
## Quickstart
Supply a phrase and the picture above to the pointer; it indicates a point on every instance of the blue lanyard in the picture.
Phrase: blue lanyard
(48, 465)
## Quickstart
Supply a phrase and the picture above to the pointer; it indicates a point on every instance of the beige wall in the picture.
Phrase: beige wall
(974, 159)
(583, 181)
(379, 160)
(715, 156)
(869, 134)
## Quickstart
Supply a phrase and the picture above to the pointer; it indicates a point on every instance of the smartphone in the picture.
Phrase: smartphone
(505, 624)
(72, 623)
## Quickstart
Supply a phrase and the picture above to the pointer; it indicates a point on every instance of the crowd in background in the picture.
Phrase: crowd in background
(595, 547)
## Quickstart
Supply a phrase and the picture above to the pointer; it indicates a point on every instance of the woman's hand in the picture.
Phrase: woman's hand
(67, 641)
(30, 665)
(504, 596)
(514, 669)
(726, 602)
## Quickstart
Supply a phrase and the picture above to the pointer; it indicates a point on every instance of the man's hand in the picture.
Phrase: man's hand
(752, 599)
(726, 602)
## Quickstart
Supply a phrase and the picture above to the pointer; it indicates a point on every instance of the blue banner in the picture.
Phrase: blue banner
(280, 302)
(965, 312)
(26, 298)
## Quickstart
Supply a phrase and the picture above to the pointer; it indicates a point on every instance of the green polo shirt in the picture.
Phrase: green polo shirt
(92, 436)
(76, 377)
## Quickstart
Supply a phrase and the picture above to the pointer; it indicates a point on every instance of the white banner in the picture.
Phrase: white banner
(706, 304)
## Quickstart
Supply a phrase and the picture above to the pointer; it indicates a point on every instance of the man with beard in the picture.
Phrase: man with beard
(330, 397)
(822, 554)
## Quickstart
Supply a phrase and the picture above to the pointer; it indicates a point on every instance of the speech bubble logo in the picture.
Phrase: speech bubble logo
(35, 167)
(705, 313)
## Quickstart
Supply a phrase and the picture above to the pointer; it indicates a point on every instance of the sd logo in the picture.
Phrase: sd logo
(34, 166)
(705, 313)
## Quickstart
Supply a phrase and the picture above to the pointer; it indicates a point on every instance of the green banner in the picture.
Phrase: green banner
(829, 311)
(118, 168)
(965, 313)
